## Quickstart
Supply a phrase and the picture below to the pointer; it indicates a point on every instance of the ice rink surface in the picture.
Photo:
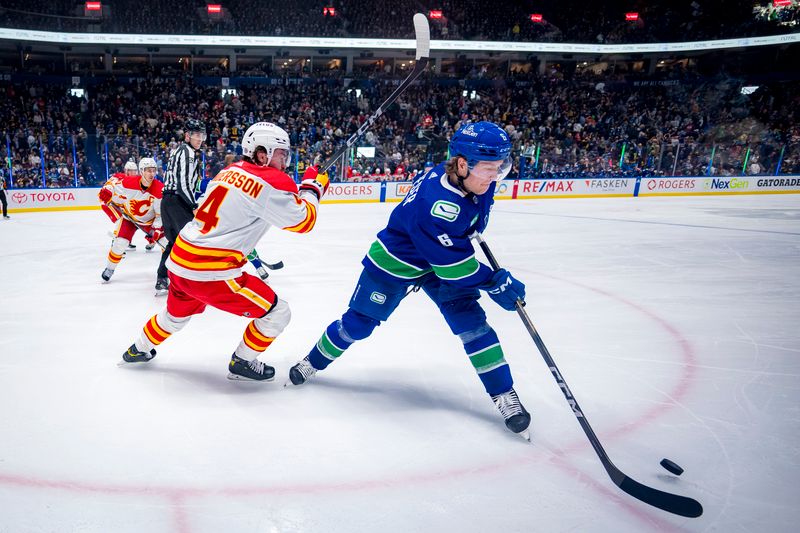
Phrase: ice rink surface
(673, 320)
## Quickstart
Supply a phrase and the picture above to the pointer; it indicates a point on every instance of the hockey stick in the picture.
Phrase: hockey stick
(129, 219)
(422, 33)
(272, 266)
(259, 263)
(672, 503)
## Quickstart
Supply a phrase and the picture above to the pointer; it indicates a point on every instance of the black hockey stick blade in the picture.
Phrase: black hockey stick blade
(672, 503)
(273, 266)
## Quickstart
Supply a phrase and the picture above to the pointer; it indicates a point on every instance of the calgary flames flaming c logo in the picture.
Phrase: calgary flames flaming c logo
(138, 208)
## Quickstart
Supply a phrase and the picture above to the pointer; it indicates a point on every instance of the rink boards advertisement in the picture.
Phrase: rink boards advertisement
(29, 200)
(678, 186)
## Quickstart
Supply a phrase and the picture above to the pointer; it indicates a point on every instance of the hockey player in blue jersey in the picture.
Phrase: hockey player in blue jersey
(426, 245)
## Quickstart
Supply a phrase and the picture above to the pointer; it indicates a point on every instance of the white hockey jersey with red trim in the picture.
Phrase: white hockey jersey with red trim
(142, 205)
(240, 204)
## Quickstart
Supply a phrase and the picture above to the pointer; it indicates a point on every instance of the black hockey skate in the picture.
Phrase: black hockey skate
(131, 246)
(301, 372)
(162, 286)
(107, 273)
(133, 355)
(255, 370)
(516, 417)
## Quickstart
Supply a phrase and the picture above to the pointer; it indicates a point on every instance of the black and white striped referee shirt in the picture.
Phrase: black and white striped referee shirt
(183, 174)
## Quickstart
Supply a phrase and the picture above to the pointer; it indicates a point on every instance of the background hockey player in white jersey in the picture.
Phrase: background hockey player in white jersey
(130, 169)
(426, 244)
(205, 266)
(136, 200)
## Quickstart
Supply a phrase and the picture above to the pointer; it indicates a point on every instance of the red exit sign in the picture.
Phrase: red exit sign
(536, 17)
(632, 16)
(94, 6)
(435, 13)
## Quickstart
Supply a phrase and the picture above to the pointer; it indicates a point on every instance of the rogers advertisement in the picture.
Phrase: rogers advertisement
(353, 192)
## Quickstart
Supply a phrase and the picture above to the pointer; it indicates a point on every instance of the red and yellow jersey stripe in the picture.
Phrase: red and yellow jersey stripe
(307, 224)
(201, 258)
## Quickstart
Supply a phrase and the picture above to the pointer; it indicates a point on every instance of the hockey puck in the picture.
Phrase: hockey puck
(672, 467)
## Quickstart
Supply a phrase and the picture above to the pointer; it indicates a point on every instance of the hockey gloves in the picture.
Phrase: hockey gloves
(505, 289)
(158, 234)
(315, 182)
(104, 195)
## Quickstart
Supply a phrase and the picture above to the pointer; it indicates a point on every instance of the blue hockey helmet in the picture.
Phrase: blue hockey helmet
(482, 141)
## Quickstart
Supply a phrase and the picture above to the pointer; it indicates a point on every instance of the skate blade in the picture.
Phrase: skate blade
(130, 363)
(161, 293)
(237, 377)
(525, 435)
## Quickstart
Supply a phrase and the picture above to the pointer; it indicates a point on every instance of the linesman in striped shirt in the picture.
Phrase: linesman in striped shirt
(181, 182)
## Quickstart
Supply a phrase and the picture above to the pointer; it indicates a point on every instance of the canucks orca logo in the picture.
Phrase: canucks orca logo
(378, 297)
(445, 210)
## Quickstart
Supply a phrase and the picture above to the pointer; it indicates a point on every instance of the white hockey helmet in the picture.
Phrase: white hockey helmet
(130, 165)
(147, 162)
(268, 135)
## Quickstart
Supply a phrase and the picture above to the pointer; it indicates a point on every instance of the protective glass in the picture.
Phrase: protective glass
(287, 156)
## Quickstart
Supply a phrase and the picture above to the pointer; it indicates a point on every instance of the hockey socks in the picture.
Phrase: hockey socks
(158, 329)
(330, 346)
(486, 356)
(254, 342)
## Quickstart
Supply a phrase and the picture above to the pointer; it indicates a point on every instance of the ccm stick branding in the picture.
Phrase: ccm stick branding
(567, 392)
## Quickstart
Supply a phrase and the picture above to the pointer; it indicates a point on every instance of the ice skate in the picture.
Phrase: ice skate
(133, 355)
(131, 246)
(300, 372)
(106, 275)
(149, 246)
(255, 370)
(516, 417)
(162, 286)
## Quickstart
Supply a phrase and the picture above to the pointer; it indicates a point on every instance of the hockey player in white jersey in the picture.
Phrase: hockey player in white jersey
(205, 266)
(130, 169)
(136, 200)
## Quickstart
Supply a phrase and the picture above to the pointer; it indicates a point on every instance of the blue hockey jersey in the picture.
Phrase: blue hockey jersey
(429, 231)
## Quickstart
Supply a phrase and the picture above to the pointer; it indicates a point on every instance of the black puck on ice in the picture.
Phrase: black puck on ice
(672, 467)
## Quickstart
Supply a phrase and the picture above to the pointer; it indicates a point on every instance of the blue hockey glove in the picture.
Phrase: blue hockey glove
(505, 289)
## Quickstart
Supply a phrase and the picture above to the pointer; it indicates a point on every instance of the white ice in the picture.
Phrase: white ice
(673, 320)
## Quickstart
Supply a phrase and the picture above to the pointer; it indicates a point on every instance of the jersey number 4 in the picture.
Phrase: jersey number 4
(207, 214)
